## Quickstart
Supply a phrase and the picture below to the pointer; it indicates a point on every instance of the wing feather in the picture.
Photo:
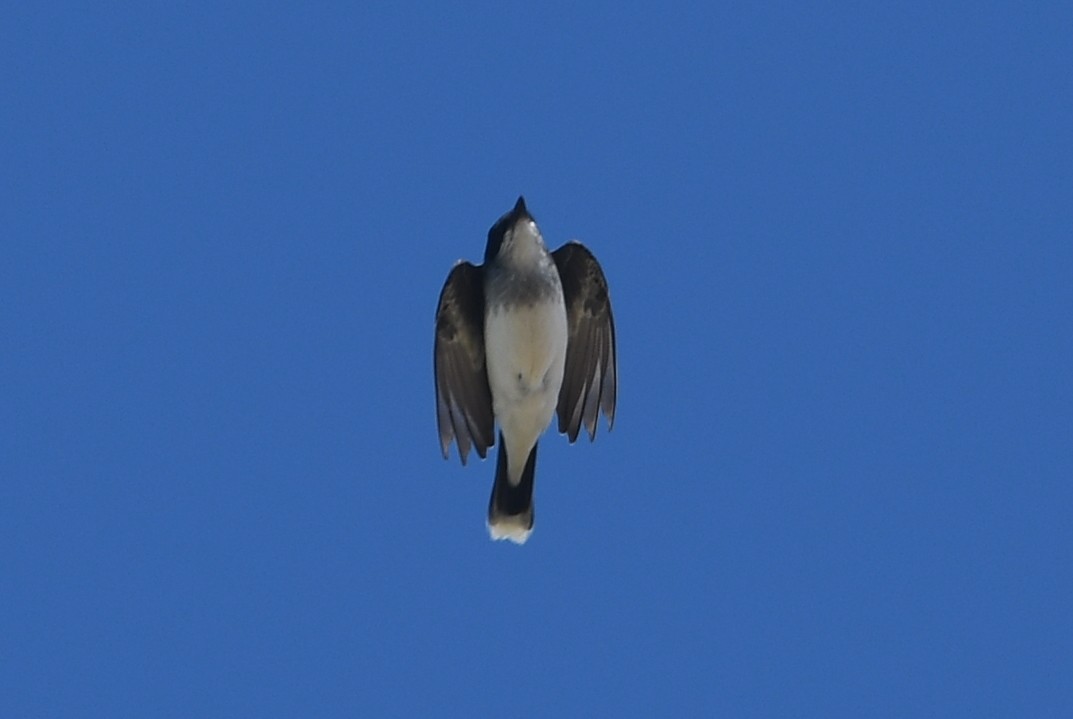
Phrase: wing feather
(590, 377)
(463, 399)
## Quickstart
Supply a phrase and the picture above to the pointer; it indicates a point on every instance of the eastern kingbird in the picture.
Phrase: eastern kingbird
(524, 336)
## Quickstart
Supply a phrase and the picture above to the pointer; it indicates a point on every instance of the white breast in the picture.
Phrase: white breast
(525, 348)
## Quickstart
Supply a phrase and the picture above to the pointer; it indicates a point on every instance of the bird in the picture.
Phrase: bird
(523, 337)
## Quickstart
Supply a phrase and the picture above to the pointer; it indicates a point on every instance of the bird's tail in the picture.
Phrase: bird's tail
(510, 511)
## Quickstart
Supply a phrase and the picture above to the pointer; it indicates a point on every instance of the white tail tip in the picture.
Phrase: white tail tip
(516, 528)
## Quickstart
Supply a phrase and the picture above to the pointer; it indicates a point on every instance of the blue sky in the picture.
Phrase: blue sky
(839, 241)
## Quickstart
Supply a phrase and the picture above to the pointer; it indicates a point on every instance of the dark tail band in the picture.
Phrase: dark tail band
(510, 510)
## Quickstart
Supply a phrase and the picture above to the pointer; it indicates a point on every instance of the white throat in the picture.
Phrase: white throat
(523, 245)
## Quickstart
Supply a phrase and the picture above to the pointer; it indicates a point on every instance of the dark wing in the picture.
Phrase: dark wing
(463, 399)
(590, 379)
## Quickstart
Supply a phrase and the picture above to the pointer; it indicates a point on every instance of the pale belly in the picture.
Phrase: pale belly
(525, 357)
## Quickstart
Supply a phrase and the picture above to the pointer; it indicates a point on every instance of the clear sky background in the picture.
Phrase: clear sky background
(839, 240)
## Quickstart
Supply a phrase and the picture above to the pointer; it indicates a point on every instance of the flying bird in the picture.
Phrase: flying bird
(524, 336)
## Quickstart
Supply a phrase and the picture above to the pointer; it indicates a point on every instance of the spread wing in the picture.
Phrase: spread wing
(463, 399)
(590, 378)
